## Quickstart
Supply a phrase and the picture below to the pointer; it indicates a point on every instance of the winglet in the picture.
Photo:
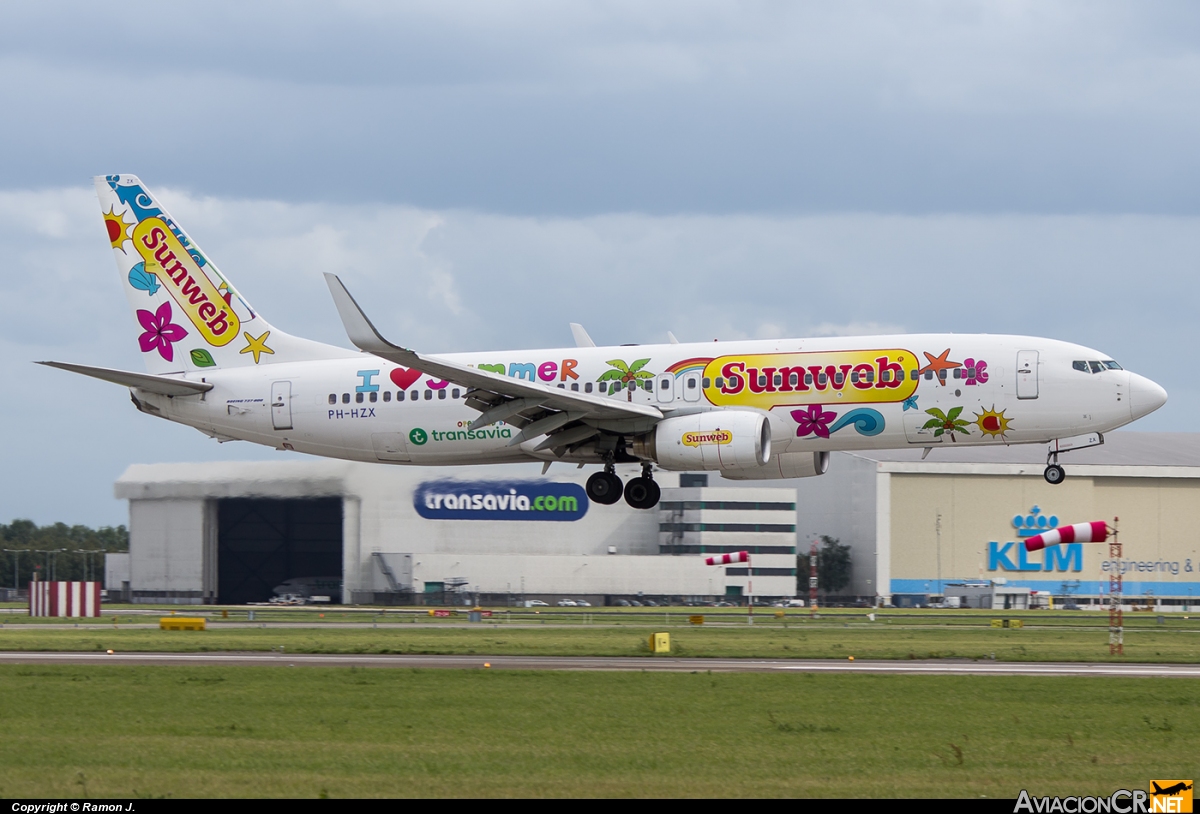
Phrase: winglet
(582, 340)
(358, 327)
(671, 337)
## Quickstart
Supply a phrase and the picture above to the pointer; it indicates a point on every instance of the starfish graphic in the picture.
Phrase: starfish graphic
(939, 363)
(259, 345)
(910, 403)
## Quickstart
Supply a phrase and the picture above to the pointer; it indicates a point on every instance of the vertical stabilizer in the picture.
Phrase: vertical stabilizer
(189, 317)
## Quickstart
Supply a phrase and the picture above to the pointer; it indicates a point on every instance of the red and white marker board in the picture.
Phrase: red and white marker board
(64, 599)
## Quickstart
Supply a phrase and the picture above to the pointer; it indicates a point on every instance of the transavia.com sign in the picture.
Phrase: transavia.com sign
(500, 500)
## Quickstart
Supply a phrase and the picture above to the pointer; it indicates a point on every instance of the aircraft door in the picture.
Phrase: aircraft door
(281, 405)
(390, 446)
(915, 430)
(1027, 374)
(666, 388)
(691, 385)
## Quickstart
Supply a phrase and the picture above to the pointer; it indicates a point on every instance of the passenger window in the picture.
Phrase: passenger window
(399, 395)
(928, 375)
(914, 375)
(333, 398)
(870, 376)
(808, 378)
(854, 377)
(587, 387)
(691, 384)
(1081, 366)
(885, 376)
(616, 386)
(345, 398)
(794, 379)
(454, 395)
(942, 375)
(442, 394)
(720, 381)
(562, 387)
(778, 379)
(822, 379)
(358, 398)
(707, 382)
(387, 395)
(958, 372)
(970, 373)
(429, 395)
(374, 397)
(839, 378)
(575, 386)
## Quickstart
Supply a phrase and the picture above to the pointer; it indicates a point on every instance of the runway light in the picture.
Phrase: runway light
(852, 658)
(110, 652)
(485, 664)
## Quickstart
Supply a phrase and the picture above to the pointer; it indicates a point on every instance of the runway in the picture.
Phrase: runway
(597, 663)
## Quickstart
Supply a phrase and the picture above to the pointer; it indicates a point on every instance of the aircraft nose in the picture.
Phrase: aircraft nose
(1144, 396)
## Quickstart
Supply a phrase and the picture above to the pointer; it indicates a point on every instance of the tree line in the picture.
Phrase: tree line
(57, 551)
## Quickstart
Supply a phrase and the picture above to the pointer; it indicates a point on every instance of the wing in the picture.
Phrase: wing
(537, 408)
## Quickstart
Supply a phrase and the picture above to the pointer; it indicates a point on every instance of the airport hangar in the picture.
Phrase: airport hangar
(230, 532)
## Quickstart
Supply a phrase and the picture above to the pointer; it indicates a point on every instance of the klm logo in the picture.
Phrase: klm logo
(1014, 557)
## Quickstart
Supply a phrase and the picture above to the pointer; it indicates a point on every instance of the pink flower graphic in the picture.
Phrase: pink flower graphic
(980, 366)
(160, 331)
(813, 421)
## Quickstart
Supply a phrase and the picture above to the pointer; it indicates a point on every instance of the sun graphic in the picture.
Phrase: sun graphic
(117, 227)
(991, 422)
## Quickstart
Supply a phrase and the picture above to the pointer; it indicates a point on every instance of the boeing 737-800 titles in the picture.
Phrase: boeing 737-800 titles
(755, 409)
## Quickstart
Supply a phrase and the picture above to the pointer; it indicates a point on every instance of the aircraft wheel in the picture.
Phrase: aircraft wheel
(1054, 474)
(641, 493)
(604, 488)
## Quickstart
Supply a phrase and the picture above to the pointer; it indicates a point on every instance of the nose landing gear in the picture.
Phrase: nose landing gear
(1054, 473)
(642, 492)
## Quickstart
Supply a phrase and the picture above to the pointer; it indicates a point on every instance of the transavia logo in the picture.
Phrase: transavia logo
(419, 436)
(1033, 523)
(1173, 796)
(500, 500)
(695, 439)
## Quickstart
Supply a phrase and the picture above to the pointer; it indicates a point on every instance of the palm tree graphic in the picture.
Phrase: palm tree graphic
(627, 374)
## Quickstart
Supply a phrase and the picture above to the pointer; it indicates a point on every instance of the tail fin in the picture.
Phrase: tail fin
(189, 316)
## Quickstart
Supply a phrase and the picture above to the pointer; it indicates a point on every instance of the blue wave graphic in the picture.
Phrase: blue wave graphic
(865, 420)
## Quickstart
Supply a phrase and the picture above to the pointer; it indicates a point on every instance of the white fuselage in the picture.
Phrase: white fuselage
(820, 394)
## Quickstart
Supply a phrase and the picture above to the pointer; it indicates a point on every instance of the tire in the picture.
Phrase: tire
(655, 494)
(1054, 474)
(641, 493)
(603, 488)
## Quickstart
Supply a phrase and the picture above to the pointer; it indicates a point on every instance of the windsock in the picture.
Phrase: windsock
(725, 559)
(1094, 532)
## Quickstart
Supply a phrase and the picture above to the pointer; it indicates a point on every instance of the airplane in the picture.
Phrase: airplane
(1170, 791)
(749, 409)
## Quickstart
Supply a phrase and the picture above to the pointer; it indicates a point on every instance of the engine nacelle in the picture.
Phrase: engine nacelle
(787, 465)
(718, 439)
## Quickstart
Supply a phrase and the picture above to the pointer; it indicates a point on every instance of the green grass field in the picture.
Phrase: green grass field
(833, 636)
(307, 732)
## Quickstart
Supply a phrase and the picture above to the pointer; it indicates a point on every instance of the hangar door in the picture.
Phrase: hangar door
(261, 542)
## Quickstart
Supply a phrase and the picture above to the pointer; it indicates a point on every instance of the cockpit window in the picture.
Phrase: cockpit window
(1080, 365)
(1111, 365)
(1096, 367)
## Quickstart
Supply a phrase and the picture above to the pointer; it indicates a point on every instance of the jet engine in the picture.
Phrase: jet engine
(786, 465)
(718, 439)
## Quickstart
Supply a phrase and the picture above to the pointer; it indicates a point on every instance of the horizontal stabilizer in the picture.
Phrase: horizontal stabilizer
(165, 385)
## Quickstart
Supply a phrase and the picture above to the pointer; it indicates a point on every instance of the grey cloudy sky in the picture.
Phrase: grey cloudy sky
(483, 173)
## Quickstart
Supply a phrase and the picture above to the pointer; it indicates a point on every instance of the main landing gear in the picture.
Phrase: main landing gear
(640, 493)
(1054, 473)
(643, 492)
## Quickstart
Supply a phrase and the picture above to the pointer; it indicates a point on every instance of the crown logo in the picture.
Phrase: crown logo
(1034, 523)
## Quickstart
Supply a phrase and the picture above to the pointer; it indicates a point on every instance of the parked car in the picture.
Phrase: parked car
(566, 603)
(621, 603)
(649, 603)
(582, 603)
(635, 603)
(535, 603)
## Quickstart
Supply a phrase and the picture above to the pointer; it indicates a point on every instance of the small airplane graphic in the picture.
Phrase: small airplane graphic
(1170, 791)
